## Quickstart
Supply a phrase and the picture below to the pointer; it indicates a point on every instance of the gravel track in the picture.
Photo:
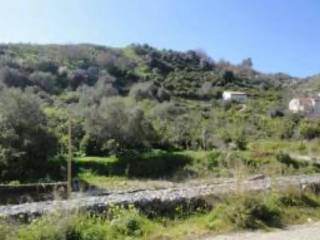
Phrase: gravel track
(310, 231)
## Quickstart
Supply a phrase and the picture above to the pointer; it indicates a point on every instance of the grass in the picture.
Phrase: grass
(299, 147)
(90, 168)
(260, 157)
(150, 168)
(260, 211)
(97, 159)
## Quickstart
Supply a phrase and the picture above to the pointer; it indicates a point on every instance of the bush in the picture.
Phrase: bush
(153, 164)
(246, 212)
(213, 159)
(309, 130)
(117, 223)
(7, 231)
(146, 90)
(54, 227)
(127, 222)
(287, 160)
(275, 112)
(241, 141)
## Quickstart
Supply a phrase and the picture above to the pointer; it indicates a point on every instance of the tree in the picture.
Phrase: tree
(247, 63)
(113, 121)
(146, 90)
(104, 87)
(25, 143)
(77, 78)
(13, 78)
(44, 80)
(228, 77)
(205, 62)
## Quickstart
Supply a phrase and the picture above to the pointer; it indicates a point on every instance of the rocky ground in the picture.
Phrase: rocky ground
(159, 199)
(310, 231)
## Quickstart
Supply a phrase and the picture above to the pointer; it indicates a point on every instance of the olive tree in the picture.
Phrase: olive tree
(113, 125)
(25, 143)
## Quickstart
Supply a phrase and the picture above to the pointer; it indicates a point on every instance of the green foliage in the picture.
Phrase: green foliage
(135, 98)
(113, 123)
(26, 145)
(118, 223)
(7, 230)
(294, 198)
(149, 90)
(263, 210)
(309, 129)
(155, 164)
(287, 160)
(151, 164)
(213, 159)
(246, 213)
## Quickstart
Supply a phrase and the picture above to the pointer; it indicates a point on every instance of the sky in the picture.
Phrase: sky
(279, 35)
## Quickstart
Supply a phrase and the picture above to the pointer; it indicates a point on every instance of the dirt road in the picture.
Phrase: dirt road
(310, 231)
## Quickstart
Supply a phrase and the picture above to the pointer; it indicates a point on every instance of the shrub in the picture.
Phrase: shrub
(295, 198)
(275, 112)
(213, 159)
(117, 223)
(7, 231)
(144, 90)
(309, 130)
(127, 222)
(287, 160)
(241, 141)
(246, 212)
(152, 164)
(54, 227)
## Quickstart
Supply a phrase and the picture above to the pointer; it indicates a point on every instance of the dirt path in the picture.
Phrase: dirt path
(310, 231)
(305, 158)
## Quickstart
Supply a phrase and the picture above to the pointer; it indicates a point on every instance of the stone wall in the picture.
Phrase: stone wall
(155, 200)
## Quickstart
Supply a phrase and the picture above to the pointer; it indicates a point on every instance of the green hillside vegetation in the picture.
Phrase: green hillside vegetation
(144, 106)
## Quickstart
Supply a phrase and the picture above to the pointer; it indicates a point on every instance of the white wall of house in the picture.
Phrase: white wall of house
(235, 96)
(295, 106)
(317, 106)
(311, 105)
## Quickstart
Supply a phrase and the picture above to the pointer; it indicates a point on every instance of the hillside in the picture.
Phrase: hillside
(136, 98)
(150, 131)
(310, 85)
(67, 67)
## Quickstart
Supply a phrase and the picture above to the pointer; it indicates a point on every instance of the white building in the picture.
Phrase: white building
(234, 96)
(306, 105)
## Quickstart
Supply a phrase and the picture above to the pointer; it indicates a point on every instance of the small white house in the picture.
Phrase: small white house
(305, 105)
(234, 96)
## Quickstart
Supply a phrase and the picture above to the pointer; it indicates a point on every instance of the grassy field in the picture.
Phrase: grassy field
(159, 168)
(299, 147)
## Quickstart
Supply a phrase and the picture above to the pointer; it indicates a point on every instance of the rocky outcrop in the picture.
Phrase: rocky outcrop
(158, 199)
